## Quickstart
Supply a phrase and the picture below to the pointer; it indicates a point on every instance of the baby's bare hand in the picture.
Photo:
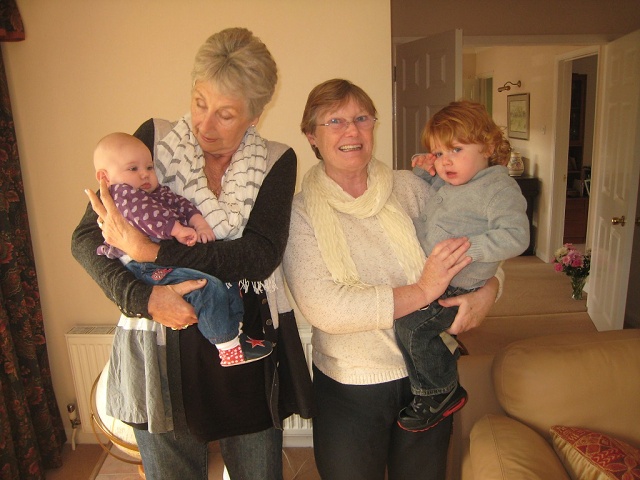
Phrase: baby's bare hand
(205, 235)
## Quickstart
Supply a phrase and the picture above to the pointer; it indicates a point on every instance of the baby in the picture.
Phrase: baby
(125, 163)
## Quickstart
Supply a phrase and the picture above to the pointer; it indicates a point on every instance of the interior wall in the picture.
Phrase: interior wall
(88, 68)
(469, 84)
(535, 68)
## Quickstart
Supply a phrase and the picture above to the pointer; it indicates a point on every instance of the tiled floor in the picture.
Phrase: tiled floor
(298, 464)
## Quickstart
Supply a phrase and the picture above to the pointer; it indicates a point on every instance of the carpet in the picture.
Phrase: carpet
(78, 464)
(498, 332)
(533, 287)
(536, 300)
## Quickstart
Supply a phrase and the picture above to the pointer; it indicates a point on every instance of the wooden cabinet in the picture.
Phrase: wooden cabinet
(530, 187)
(575, 220)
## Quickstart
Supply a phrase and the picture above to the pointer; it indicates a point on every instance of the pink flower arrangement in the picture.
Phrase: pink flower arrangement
(572, 261)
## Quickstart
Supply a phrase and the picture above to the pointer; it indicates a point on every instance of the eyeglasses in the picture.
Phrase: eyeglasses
(363, 122)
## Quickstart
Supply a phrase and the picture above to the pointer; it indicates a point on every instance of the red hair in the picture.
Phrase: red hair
(467, 122)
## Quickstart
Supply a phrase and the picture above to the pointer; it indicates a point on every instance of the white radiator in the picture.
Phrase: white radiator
(89, 349)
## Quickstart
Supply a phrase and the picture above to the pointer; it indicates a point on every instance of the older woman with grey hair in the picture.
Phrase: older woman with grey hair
(175, 393)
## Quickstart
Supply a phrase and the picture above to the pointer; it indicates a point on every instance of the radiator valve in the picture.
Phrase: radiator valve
(73, 415)
(72, 412)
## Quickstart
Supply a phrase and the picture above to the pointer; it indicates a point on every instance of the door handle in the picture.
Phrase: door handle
(618, 221)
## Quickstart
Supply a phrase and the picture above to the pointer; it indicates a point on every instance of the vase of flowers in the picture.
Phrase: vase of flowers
(573, 263)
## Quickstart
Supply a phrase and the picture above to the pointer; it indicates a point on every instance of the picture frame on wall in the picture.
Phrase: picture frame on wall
(518, 116)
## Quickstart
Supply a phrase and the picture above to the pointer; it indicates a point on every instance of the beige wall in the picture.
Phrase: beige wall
(90, 67)
(535, 67)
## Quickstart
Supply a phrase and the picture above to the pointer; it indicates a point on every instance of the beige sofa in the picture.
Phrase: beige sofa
(588, 380)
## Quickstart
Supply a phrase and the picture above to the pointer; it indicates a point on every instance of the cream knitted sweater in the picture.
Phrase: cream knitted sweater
(353, 340)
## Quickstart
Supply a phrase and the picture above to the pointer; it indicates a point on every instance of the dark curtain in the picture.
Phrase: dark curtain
(31, 429)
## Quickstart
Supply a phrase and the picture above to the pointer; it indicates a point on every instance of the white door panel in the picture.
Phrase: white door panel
(616, 181)
(428, 77)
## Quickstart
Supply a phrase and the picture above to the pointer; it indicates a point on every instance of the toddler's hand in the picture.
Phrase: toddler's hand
(424, 161)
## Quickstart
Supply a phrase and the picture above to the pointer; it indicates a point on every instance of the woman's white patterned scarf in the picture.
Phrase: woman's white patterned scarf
(323, 198)
(179, 164)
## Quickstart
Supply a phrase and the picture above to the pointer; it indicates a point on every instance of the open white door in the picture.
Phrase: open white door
(428, 77)
(615, 181)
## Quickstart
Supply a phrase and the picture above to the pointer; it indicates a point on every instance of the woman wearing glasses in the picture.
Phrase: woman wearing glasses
(354, 265)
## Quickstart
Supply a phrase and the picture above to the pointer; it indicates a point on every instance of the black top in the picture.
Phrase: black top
(218, 401)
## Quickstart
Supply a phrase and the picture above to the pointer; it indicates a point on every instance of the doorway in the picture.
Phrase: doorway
(579, 155)
(573, 151)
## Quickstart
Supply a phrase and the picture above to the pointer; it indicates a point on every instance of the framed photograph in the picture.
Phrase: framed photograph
(518, 116)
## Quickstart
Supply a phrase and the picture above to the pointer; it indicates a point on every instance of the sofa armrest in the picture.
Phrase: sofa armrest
(568, 379)
(475, 373)
(503, 448)
(466, 469)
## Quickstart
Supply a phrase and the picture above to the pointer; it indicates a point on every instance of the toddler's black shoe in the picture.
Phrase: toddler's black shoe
(424, 413)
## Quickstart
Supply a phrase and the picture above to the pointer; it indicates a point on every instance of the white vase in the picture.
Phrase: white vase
(515, 165)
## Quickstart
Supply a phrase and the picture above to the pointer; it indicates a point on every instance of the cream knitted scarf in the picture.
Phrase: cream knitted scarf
(323, 198)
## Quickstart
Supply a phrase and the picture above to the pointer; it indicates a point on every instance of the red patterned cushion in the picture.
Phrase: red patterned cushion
(591, 455)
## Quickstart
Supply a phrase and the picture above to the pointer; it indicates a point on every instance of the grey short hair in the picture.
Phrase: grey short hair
(240, 65)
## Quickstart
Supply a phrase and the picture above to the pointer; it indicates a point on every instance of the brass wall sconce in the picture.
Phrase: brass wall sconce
(507, 87)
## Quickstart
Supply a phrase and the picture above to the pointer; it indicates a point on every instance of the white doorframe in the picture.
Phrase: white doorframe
(562, 84)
